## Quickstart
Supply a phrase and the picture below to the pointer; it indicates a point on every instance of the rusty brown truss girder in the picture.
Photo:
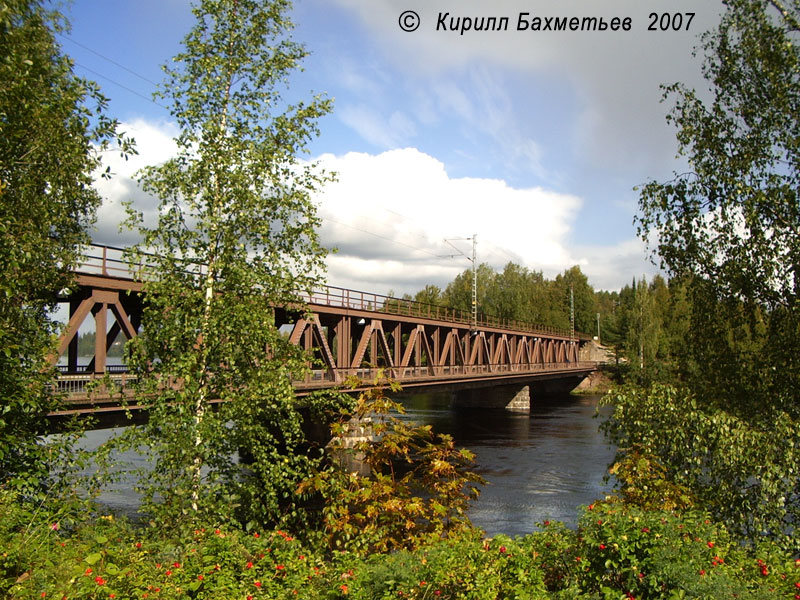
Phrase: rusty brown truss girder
(344, 342)
(344, 332)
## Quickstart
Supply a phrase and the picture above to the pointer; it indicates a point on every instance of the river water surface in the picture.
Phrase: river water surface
(539, 465)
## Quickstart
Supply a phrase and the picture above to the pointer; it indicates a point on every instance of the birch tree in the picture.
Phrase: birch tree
(729, 228)
(731, 222)
(236, 236)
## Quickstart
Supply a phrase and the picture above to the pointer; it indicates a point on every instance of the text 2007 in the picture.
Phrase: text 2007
(667, 21)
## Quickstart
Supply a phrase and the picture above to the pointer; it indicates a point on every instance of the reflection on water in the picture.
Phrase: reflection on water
(539, 466)
(118, 496)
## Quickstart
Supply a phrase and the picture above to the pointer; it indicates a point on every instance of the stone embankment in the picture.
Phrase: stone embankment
(599, 381)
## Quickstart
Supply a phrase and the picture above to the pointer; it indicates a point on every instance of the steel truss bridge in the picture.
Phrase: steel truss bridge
(349, 333)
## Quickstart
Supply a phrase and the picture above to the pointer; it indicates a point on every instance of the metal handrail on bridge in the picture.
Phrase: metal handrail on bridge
(421, 373)
(333, 296)
(367, 301)
(75, 384)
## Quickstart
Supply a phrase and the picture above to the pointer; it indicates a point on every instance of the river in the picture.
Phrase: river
(539, 465)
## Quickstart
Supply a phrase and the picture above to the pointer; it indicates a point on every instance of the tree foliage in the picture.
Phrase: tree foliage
(731, 226)
(430, 294)
(734, 219)
(519, 294)
(572, 291)
(642, 338)
(235, 237)
(744, 471)
(647, 323)
(458, 293)
(53, 127)
(415, 487)
(728, 234)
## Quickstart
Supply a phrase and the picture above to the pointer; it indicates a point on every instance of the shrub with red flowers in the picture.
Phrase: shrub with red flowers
(645, 554)
(617, 552)
(106, 558)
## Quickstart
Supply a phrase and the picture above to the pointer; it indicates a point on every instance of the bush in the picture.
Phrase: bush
(618, 552)
(415, 487)
(464, 566)
(741, 467)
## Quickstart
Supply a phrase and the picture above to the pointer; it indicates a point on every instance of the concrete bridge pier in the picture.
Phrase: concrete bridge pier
(511, 397)
(515, 397)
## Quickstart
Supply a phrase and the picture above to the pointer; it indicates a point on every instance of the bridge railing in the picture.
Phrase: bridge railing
(78, 386)
(367, 301)
(78, 369)
(457, 372)
(109, 261)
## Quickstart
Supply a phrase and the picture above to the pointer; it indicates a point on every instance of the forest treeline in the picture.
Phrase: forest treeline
(86, 342)
(644, 322)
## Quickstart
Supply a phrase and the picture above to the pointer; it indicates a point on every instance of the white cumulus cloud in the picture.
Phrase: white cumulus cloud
(388, 215)
(395, 209)
(155, 144)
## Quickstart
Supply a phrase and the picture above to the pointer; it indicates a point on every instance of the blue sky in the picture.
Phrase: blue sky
(532, 141)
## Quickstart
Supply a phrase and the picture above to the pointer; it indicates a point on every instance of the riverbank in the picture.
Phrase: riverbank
(596, 383)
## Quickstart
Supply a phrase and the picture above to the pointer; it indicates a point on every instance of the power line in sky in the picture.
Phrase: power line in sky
(124, 87)
(483, 240)
(111, 60)
(380, 236)
(150, 99)
(116, 64)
